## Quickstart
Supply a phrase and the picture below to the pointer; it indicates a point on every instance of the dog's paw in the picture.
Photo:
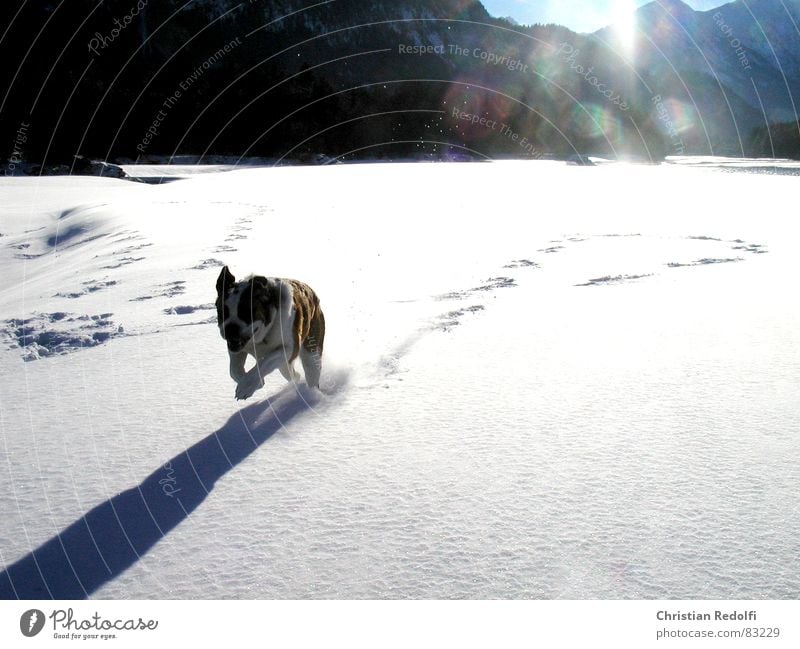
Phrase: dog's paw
(248, 386)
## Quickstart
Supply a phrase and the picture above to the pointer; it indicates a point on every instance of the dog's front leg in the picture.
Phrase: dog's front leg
(237, 365)
(254, 379)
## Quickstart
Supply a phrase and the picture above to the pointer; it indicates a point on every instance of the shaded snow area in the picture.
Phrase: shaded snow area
(539, 381)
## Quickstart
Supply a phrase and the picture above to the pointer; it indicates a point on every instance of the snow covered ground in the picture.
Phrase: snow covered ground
(540, 381)
(174, 172)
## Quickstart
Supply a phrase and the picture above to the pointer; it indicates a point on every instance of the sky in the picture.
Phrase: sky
(578, 15)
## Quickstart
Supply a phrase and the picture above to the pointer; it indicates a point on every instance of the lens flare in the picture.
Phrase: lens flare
(623, 13)
(593, 121)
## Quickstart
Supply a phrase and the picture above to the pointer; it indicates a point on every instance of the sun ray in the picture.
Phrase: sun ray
(623, 13)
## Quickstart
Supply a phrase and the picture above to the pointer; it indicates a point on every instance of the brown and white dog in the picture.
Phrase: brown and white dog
(275, 321)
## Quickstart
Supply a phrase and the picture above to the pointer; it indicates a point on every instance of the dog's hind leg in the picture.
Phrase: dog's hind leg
(311, 350)
(312, 367)
(288, 372)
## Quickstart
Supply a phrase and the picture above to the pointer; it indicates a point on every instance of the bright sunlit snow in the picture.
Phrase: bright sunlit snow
(539, 381)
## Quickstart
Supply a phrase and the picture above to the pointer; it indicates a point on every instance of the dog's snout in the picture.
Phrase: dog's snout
(236, 346)
(233, 336)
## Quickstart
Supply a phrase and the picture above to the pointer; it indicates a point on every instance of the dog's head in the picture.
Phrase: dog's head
(246, 310)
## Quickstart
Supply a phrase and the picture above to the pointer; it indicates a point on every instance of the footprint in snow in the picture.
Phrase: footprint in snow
(124, 261)
(187, 310)
(208, 263)
(616, 279)
(53, 334)
(706, 261)
(170, 289)
(447, 321)
(91, 286)
(491, 284)
(754, 248)
(522, 263)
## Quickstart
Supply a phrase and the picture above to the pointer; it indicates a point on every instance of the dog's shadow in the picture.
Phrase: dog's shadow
(110, 538)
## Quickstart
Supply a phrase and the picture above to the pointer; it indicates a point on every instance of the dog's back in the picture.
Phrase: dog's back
(308, 329)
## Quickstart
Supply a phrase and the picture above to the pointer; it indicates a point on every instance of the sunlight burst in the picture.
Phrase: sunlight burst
(623, 15)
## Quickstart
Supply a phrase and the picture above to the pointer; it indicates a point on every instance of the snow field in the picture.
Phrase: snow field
(539, 381)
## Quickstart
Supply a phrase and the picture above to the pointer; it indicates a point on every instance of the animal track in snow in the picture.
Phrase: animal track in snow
(447, 321)
(706, 261)
(54, 334)
(170, 289)
(389, 364)
(741, 244)
(131, 249)
(186, 310)
(238, 230)
(123, 261)
(717, 242)
(617, 279)
(206, 321)
(208, 263)
(491, 284)
(23, 247)
(755, 248)
(91, 286)
(127, 235)
(522, 263)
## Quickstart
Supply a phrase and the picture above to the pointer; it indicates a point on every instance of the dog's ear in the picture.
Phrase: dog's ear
(262, 283)
(267, 291)
(263, 287)
(225, 281)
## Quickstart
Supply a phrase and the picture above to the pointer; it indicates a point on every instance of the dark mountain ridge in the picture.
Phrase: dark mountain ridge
(410, 78)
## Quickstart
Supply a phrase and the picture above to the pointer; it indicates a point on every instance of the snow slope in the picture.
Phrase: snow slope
(539, 381)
